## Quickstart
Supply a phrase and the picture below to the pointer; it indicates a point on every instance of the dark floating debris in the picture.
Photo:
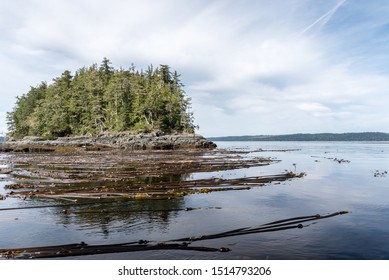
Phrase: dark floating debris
(340, 160)
(334, 159)
(79, 249)
(380, 173)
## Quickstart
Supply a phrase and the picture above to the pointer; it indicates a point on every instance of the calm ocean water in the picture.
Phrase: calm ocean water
(359, 184)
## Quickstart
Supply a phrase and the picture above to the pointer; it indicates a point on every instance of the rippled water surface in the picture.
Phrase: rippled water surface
(348, 176)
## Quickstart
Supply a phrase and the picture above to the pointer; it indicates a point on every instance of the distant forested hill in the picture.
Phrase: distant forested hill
(362, 136)
(100, 99)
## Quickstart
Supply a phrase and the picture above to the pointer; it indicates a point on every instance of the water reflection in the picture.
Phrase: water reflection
(329, 186)
(122, 217)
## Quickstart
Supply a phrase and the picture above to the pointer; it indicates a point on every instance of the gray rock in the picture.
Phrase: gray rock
(122, 140)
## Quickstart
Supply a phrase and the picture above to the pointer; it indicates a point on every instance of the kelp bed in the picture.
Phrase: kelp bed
(70, 180)
(185, 243)
(129, 175)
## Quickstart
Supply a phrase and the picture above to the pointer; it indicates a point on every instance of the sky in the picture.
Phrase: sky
(250, 67)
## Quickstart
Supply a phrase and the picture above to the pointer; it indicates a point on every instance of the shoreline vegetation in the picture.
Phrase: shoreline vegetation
(101, 99)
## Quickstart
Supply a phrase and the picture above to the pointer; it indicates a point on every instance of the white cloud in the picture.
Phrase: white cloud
(251, 67)
(316, 108)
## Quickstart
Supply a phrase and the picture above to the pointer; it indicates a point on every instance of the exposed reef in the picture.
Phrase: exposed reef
(122, 140)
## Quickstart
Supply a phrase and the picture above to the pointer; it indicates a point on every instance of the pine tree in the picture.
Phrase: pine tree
(98, 99)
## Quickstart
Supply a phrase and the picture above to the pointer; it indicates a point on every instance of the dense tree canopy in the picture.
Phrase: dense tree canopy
(99, 99)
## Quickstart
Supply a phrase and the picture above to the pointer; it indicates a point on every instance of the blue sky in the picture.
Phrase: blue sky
(250, 67)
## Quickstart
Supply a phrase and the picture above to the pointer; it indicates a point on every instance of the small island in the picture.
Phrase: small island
(104, 106)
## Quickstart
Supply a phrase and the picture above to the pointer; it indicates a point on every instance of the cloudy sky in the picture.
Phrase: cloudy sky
(250, 67)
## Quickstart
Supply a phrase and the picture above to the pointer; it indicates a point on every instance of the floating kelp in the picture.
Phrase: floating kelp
(105, 211)
(296, 222)
(54, 205)
(153, 190)
(79, 249)
(130, 175)
(116, 166)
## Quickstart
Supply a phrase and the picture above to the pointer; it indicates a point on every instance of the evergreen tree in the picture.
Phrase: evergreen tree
(98, 99)
(24, 107)
(118, 100)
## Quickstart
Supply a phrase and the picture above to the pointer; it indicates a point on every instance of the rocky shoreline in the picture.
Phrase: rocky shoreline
(123, 140)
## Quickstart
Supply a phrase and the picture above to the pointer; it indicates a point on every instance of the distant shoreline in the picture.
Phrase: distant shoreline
(353, 136)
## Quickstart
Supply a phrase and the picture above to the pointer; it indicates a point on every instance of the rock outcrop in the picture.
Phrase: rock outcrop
(123, 140)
